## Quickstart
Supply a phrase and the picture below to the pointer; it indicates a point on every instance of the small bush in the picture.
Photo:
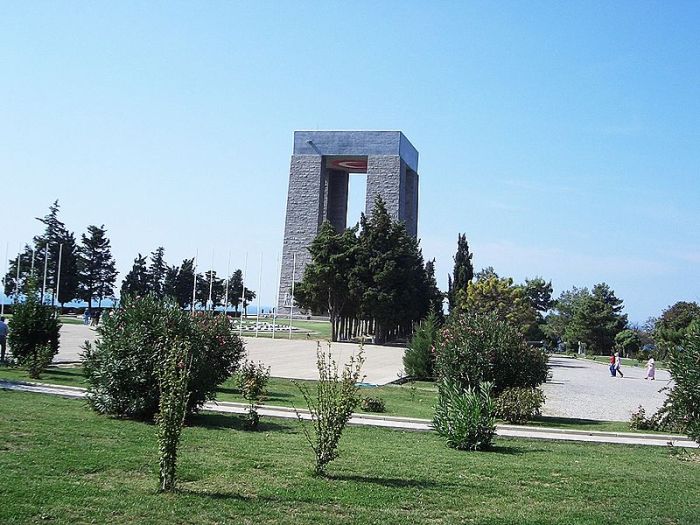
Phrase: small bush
(519, 405)
(465, 417)
(373, 404)
(122, 365)
(419, 357)
(252, 381)
(472, 349)
(34, 333)
(639, 420)
(331, 406)
(173, 377)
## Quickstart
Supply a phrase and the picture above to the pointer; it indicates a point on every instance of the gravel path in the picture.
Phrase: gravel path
(585, 389)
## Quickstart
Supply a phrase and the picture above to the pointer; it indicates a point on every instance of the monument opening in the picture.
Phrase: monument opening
(357, 195)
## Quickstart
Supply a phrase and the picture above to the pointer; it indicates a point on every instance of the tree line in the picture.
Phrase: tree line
(86, 271)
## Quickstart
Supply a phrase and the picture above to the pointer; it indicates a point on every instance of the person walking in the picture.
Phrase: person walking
(651, 369)
(612, 364)
(618, 362)
(3, 338)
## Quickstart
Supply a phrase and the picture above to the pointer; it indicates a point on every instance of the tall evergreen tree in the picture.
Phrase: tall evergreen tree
(97, 269)
(463, 271)
(235, 292)
(435, 296)
(184, 282)
(217, 289)
(157, 271)
(170, 282)
(136, 281)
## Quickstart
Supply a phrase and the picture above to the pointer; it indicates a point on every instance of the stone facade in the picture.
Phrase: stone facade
(318, 188)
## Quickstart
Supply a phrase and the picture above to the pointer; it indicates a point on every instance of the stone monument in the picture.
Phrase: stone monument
(318, 188)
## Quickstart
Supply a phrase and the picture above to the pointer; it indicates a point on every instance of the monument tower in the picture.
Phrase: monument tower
(318, 188)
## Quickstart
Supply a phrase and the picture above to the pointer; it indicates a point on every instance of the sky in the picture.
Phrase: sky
(562, 137)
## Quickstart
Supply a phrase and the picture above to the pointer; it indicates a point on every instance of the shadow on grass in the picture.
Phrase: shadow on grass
(553, 421)
(391, 482)
(213, 495)
(232, 421)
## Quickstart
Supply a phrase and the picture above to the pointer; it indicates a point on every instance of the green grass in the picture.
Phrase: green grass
(605, 359)
(415, 399)
(62, 464)
(317, 330)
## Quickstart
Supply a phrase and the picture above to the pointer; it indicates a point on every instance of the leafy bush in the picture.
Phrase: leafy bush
(519, 405)
(640, 421)
(34, 333)
(684, 397)
(472, 349)
(331, 406)
(373, 404)
(122, 365)
(252, 380)
(419, 357)
(465, 417)
(173, 377)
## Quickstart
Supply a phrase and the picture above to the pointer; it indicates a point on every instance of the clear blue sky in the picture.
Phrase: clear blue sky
(562, 137)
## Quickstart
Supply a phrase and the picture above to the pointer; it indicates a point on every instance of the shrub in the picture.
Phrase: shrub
(684, 397)
(122, 365)
(519, 405)
(419, 357)
(173, 377)
(34, 333)
(465, 417)
(472, 349)
(639, 420)
(252, 380)
(373, 404)
(331, 406)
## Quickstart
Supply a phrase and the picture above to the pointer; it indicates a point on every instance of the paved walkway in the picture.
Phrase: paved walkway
(584, 389)
(288, 358)
(402, 423)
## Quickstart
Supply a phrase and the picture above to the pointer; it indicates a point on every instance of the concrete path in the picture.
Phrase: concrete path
(402, 423)
(584, 389)
(288, 358)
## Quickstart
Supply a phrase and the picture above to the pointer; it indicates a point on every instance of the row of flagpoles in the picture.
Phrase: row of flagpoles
(194, 285)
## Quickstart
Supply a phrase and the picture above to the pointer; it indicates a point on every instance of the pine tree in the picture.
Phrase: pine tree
(463, 271)
(435, 296)
(156, 272)
(136, 281)
(184, 282)
(217, 289)
(97, 269)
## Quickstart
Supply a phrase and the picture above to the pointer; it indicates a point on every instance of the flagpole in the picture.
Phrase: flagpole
(46, 266)
(277, 301)
(194, 279)
(33, 254)
(228, 278)
(291, 303)
(257, 314)
(58, 278)
(19, 263)
(245, 269)
(211, 279)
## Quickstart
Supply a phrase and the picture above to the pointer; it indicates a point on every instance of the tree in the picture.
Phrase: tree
(435, 296)
(391, 273)
(325, 286)
(673, 324)
(136, 281)
(463, 271)
(183, 283)
(592, 318)
(684, 397)
(539, 295)
(157, 271)
(500, 298)
(485, 273)
(629, 342)
(217, 289)
(170, 282)
(97, 270)
(235, 292)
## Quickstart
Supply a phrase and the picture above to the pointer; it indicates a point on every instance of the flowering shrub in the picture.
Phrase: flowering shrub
(519, 405)
(252, 380)
(476, 348)
(122, 365)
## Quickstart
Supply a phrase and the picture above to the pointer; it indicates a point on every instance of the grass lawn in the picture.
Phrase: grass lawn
(415, 399)
(62, 463)
(626, 361)
(320, 330)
